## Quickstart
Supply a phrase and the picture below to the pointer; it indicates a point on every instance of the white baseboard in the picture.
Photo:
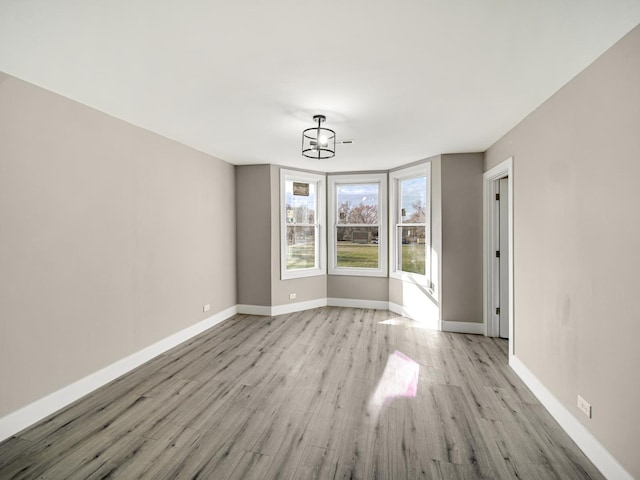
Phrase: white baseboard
(36, 411)
(355, 303)
(463, 327)
(414, 315)
(298, 307)
(255, 310)
(395, 308)
(266, 311)
(591, 447)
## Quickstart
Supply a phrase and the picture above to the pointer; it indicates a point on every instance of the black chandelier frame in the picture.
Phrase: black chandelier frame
(314, 144)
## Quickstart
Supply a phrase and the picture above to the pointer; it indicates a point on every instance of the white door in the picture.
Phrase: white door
(504, 257)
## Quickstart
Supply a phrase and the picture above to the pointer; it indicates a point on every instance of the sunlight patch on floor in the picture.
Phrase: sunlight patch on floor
(399, 380)
(405, 322)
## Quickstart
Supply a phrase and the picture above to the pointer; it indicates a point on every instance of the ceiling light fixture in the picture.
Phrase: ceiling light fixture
(319, 142)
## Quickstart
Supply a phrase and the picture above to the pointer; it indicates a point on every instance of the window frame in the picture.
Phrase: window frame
(395, 221)
(320, 267)
(336, 180)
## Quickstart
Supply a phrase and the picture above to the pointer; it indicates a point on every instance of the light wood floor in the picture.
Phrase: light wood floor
(326, 393)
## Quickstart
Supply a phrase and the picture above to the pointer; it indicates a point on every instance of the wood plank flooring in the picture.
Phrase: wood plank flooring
(329, 393)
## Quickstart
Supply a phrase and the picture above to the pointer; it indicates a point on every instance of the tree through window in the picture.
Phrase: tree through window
(358, 243)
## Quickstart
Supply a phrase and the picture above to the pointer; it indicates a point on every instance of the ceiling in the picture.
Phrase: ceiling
(241, 79)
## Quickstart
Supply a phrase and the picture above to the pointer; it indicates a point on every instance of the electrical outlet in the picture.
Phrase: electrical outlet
(206, 308)
(292, 296)
(584, 406)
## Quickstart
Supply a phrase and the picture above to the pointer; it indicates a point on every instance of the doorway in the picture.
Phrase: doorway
(498, 253)
(502, 257)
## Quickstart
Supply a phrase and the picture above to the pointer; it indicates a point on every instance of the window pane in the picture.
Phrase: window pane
(413, 200)
(357, 203)
(412, 252)
(357, 247)
(301, 247)
(300, 202)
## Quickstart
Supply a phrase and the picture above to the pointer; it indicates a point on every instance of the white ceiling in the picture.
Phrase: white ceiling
(240, 80)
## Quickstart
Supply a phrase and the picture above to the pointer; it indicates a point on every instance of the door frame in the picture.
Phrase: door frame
(491, 273)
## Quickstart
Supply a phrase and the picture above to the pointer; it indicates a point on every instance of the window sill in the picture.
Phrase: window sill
(293, 274)
(358, 272)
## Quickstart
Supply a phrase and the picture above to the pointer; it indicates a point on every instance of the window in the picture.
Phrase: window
(357, 215)
(302, 204)
(411, 223)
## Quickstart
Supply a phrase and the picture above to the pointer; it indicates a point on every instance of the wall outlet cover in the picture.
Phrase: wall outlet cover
(584, 406)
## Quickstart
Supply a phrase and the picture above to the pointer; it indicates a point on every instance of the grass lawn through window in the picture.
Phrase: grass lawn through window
(413, 258)
(300, 256)
(353, 255)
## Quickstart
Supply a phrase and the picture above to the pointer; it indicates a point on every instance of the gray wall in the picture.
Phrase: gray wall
(576, 246)
(358, 288)
(111, 238)
(461, 185)
(258, 228)
(253, 207)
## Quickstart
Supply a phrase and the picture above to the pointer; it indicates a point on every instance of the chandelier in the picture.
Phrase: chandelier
(319, 142)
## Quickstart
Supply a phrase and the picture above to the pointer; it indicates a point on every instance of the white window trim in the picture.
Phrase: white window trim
(394, 210)
(336, 180)
(320, 216)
